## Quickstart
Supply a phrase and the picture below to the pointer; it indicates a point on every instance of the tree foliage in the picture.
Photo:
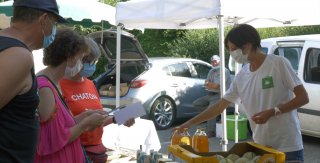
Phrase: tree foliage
(155, 42)
(202, 44)
(112, 2)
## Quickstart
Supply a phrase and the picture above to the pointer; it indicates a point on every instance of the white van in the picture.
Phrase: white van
(304, 54)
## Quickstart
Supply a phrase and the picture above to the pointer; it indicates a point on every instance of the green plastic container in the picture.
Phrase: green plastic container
(242, 127)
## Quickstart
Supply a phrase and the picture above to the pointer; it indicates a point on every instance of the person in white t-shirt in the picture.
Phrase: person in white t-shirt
(269, 90)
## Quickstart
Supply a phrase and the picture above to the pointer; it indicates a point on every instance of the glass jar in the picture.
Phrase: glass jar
(200, 141)
(185, 138)
(175, 138)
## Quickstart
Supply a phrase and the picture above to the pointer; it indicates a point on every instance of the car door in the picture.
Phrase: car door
(309, 72)
(190, 77)
(182, 82)
(199, 74)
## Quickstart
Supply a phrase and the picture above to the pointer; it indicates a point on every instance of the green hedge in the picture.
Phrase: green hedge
(200, 44)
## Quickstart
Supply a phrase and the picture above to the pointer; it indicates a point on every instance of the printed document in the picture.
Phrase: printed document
(129, 111)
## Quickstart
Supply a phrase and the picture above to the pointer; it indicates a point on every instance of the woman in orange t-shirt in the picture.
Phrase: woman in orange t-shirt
(81, 94)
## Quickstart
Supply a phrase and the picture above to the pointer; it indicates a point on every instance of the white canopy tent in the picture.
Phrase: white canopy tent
(190, 14)
(200, 14)
(77, 10)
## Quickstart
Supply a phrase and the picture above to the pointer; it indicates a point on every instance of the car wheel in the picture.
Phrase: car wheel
(163, 113)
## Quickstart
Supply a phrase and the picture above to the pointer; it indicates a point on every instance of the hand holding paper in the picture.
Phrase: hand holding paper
(130, 111)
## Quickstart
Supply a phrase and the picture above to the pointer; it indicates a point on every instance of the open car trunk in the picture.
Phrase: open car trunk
(133, 62)
(106, 82)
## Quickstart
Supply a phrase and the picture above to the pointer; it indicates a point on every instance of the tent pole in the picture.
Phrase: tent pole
(224, 140)
(236, 111)
(119, 32)
(101, 40)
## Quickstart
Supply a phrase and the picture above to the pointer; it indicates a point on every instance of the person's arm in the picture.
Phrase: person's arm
(15, 72)
(293, 82)
(211, 85)
(47, 103)
(86, 113)
(211, 112)
(301, 98)
(108, 120)
(88, 123)
(89, 119)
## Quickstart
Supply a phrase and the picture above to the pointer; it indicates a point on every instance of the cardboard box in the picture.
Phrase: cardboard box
(110, 90)
(185, 153)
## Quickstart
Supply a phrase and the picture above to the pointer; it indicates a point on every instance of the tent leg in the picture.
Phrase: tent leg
(101, 40)
(236, 119)
(236, 111)
(119, 32)
(224, 140)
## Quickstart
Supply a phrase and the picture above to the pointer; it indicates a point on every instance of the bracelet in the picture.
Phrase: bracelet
(114, 120)
(277, 111)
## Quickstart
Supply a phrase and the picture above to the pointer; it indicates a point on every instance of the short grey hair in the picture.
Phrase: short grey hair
(94, 49)
(215, 57)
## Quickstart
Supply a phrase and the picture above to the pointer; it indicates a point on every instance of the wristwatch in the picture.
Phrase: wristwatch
(277, 111)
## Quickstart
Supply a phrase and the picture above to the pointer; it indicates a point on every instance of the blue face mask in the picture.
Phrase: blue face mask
(47, 40)
(88, 70)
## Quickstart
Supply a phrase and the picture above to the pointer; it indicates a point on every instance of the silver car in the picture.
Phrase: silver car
(165, 86)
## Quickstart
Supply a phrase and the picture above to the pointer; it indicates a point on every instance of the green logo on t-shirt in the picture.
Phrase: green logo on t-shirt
(267, 82)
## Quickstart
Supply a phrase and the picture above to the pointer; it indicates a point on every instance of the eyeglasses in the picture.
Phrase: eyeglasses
(89, 59)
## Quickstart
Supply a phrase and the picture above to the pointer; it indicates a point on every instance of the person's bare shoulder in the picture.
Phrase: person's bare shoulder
(15, 72)
(16, 59)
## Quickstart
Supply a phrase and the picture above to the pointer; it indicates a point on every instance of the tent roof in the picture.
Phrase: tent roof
(191, 14)
(84, 12)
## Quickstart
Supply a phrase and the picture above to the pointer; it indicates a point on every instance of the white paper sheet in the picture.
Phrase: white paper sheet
(130, 111)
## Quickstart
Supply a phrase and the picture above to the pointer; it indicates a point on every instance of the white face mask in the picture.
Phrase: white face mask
(73, 71)
(239, 57)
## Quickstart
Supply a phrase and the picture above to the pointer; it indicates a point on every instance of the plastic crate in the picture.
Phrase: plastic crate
(185, 153)
(242, 127)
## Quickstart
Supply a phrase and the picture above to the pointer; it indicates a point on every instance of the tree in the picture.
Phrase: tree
(202, 44)
(112, 2)
(155, 42)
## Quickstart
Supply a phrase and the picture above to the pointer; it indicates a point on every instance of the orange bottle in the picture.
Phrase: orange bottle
(175, 138)
(195, 138)
(200, 141)
(185, 138)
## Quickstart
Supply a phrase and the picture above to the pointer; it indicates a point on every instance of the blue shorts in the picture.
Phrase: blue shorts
(295, 156)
